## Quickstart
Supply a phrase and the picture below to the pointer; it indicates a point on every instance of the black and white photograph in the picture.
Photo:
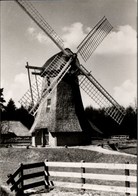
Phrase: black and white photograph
(68, 98)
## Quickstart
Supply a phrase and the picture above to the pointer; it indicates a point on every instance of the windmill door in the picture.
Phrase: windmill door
(45, 137)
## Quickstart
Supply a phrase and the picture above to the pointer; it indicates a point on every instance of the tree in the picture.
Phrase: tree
(129, 124)
(17, 114)
(11, 110)
(2, 107)
(2, 100)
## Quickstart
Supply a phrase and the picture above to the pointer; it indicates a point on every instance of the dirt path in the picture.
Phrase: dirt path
(102, 150)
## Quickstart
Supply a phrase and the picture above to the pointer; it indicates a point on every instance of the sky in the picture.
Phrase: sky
(113, 63)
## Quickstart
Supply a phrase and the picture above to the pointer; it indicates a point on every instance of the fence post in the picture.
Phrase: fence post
(21, 191)
(49, 182)
(127, 183)
(46, 174)
(82, 177)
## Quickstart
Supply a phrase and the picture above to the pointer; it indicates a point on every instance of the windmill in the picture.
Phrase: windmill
(59, 113)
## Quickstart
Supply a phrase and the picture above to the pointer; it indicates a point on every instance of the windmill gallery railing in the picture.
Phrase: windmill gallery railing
(75, 175)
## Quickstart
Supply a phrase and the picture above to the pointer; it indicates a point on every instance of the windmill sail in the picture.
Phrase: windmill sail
(26, 100)
(94, 38)
(92, 87)
(40, 21)
(54, 73)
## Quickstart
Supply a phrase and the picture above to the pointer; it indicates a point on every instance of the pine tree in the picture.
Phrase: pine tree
(2, 100)
(2, 108)
(11, 110)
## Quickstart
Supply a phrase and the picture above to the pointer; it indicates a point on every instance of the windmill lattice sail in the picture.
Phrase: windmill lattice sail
(26, 100)
(54, 73)
(92, 87)
(94, 38)
(40, 21)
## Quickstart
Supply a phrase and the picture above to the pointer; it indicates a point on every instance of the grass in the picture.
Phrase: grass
(129, 147)
(129, 150)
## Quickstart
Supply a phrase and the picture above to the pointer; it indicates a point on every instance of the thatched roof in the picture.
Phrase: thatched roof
(15, 127)
(4, 127)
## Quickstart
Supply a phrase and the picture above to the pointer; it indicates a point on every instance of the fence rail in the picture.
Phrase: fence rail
(93, 165)
(93, 176)
(48, 174)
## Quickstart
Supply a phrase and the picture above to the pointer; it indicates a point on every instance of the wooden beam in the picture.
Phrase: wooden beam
(33, 165)
(29, 78)
(14, 175)
(36, 73)
(92, 165)
(33, 67)
(34, 184)
(33, 175)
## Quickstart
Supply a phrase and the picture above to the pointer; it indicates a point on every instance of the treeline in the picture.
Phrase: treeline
(109, 127)
(17, 114)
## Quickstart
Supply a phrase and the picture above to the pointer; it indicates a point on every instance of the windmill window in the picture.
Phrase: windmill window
(48, 105)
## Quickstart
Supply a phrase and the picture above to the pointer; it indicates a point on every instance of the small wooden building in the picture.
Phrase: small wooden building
(14, 131)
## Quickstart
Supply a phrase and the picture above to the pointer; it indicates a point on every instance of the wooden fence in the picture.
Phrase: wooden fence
(58, 174)
(18, 179)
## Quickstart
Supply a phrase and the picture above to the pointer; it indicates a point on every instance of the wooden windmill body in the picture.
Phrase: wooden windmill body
(61, 118)
(59, 114)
